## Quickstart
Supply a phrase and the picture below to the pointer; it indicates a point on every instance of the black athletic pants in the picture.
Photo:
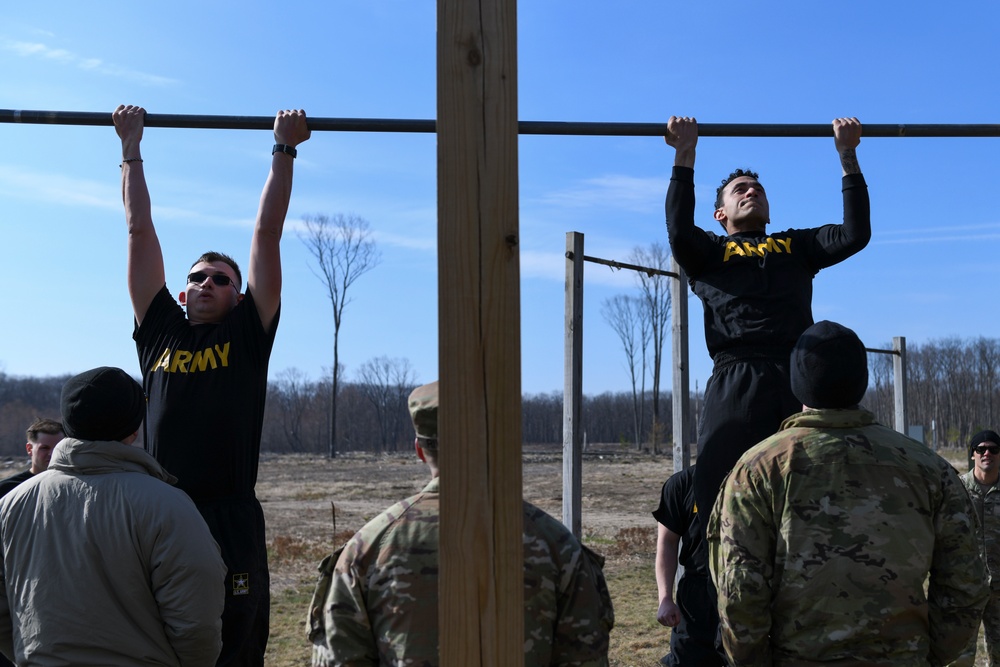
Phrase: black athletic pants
(692, 642)
(746, 399)
(238, 527)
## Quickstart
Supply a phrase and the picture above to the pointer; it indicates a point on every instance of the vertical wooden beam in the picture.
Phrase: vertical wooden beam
(682, 373)
(899, 383)
(573, 386)
(481, 617)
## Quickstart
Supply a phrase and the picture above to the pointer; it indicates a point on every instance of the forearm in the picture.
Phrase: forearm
(666, 573)
(684, 237)
(849, 161)
(135, 196)
(264, 275)
(665, 582)
(145, 259)
(857, 227)
(275, 197)
(685, 157)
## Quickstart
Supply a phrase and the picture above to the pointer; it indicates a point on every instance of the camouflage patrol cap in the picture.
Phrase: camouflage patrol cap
(829, 367)
(423, 405)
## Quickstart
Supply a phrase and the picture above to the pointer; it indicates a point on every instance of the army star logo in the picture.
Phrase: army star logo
(241, 584)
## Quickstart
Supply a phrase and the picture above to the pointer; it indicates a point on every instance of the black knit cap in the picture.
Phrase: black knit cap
(983, 436)
(102, 404)
(829, 367)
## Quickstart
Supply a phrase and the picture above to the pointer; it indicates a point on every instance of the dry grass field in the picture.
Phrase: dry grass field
(620, 490)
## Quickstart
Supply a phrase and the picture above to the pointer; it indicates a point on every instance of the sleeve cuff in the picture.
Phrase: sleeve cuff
(685, 174)
(854, 181)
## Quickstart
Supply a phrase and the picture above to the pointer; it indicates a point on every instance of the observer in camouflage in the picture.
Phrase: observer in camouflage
(382, 604)
(825, 534)
(983, 483)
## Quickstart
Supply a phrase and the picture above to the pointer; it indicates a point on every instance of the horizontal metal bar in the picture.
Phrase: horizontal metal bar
(878, 351)
(622, 265)
(524, 127)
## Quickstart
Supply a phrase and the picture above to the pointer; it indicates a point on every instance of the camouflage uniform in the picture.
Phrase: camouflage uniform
(382, 604)
(987, 504)
(823, 538)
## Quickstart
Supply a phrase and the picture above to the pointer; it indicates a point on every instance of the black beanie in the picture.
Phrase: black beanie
(102, 404)
(829, 367)
(983, 436)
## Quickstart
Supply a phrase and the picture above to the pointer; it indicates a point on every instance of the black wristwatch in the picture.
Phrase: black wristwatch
(286, 149)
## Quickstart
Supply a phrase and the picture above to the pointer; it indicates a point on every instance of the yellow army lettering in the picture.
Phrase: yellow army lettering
(182, 361)
(747, 249)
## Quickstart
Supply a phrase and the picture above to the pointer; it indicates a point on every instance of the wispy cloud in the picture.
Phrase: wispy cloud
(615, 191)
(23, 184)
(70, 59)
(53, 188)
(987, 231)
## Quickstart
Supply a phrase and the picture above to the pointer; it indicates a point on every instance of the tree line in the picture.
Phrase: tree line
(952, 393)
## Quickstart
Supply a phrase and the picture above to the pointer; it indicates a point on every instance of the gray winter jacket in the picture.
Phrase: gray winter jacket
(103, 562)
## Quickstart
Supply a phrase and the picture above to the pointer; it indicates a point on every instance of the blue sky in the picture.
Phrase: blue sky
(928, 272)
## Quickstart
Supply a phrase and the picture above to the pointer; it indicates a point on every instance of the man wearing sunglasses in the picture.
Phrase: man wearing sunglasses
(205, 372)
(981, 481)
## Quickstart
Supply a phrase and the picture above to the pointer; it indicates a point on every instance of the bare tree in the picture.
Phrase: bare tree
(629, 318)
(344, 251)
(386, 383)
(655, 290)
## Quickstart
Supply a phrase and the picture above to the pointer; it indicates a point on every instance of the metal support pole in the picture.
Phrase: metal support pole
(573, 385)
(899, 383)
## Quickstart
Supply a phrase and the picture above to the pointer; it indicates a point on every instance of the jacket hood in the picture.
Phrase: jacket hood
(94, 457)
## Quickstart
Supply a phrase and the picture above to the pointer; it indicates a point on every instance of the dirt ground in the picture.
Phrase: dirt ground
(620, 490)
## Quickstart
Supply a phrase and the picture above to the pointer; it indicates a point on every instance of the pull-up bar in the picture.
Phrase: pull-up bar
(582, 128)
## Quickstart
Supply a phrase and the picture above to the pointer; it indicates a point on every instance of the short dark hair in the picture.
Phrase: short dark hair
(43, 425)
(212, 256)
(729, 179)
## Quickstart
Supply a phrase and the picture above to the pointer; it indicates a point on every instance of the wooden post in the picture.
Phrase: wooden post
(573, 386)
(899, 383)
(481, 616)
(682, 372)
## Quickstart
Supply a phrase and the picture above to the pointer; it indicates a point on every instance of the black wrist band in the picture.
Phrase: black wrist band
(284, 148)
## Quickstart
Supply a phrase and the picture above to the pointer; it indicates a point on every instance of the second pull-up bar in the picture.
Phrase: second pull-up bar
(582, 128)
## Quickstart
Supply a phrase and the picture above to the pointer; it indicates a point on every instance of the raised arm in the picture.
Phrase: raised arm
(835, 243)
(145, 259)
(667, 542)
(689, 244)
(264, 275)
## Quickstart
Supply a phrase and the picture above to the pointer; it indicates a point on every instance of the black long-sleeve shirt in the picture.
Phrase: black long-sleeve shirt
(756, 288)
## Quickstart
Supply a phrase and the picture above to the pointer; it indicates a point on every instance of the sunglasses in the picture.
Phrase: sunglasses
(992, 449)
(220, 279)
